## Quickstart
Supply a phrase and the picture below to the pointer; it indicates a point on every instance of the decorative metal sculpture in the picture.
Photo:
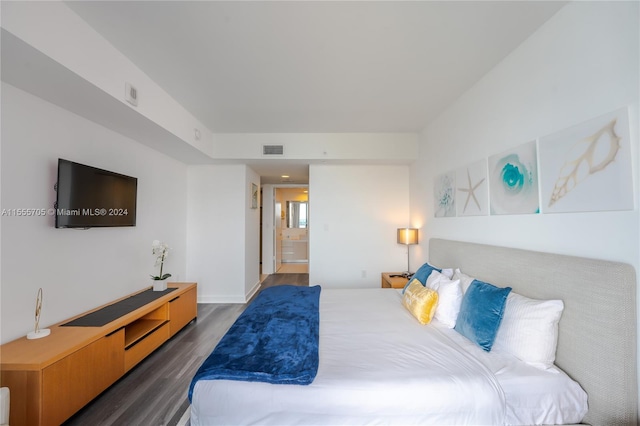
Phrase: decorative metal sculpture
(37, 333)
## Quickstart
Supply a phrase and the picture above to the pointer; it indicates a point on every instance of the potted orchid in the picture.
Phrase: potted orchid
(161, 252)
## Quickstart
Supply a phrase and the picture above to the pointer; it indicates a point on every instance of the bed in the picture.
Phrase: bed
(378, 365)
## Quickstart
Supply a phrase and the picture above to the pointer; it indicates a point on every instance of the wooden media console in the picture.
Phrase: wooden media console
(50, 379)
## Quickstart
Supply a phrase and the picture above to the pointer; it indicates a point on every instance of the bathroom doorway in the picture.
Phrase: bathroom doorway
(291, 230)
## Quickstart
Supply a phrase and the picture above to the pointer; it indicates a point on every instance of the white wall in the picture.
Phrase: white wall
(582, 63)
(268, 225)
(222, 238)
(251, 235)
(78, 270)
(357, 147)
(56, 31)
(355, 212)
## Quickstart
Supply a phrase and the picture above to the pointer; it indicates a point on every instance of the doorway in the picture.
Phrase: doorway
(291, 229)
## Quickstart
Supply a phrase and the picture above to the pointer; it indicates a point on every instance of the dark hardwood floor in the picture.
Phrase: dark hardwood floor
(155, 392)
(281, 279)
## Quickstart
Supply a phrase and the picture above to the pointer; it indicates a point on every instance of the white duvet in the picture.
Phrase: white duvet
(378, 365)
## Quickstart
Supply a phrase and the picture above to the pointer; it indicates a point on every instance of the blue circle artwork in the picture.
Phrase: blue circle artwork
(514, 182)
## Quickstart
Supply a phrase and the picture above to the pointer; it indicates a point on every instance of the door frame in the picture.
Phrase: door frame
(277, 217)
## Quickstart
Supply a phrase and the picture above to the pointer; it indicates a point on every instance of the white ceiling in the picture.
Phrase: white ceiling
(325, 66)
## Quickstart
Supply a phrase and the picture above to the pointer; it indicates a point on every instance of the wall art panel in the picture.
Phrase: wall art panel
(445, 195)
(472, 190)
(513, 181)
(588, 167)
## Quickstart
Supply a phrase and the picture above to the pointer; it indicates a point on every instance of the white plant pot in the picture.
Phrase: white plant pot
(159, 285)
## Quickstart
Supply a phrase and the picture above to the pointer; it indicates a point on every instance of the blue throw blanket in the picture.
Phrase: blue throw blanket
(275, 340)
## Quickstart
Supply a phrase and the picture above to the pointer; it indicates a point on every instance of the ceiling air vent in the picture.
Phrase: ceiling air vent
(272, 150)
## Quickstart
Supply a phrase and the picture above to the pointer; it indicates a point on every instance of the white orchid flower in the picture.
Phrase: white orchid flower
(161, 251)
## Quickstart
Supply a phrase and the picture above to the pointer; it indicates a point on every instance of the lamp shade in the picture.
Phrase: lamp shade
(407, 236)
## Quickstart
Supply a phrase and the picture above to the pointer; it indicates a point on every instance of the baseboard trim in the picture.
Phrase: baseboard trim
(253, 291)
(221, 299)
(184, 420)
(230, 299)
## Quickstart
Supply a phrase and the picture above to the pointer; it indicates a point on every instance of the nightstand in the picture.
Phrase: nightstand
(393, 282)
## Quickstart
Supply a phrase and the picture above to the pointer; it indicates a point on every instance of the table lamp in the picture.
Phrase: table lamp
(407, 236)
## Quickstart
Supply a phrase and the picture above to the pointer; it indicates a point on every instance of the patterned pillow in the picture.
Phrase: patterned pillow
(420, 301)
(529, 329)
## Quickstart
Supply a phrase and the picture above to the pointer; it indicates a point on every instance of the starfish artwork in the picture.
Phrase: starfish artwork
(470, 190)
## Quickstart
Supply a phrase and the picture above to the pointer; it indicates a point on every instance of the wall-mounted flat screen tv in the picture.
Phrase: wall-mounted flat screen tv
(89, 197)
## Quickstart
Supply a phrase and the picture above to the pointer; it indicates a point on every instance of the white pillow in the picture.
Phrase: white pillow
(449, 298)
(447, 272)
(465, 280)
(529, 329)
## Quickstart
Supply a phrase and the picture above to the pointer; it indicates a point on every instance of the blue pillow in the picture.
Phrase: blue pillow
(481, 313)
(424, 271)
(421, 275)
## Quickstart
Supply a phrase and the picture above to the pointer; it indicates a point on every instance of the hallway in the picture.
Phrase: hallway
(293, 268)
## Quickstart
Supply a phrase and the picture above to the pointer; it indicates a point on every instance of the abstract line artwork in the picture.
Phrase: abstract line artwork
(444, 195)
(588, 167)
(513, 181)
(472, 189)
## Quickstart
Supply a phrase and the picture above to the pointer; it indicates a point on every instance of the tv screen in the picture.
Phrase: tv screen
(89, 197)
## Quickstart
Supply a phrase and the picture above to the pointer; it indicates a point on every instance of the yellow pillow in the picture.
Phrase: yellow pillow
(420, 301)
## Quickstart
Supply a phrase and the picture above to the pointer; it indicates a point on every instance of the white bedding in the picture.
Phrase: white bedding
(378, 365)
(533, 396)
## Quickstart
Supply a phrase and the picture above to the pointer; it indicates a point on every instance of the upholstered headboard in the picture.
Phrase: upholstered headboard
(597, 332)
